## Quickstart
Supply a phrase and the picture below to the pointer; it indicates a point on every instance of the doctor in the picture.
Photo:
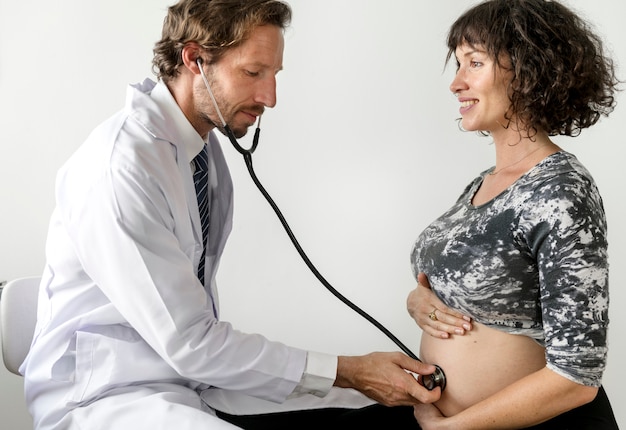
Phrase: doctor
(128, 336)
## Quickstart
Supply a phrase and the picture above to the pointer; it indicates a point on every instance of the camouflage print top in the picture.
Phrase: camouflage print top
(532, 261)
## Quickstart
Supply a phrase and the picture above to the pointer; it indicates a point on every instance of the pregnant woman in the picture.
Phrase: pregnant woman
(523, 251)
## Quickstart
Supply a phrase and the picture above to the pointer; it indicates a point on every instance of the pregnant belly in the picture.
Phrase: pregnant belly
(479, 364)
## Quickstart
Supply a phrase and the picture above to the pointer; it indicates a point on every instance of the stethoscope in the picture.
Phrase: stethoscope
(436, 379)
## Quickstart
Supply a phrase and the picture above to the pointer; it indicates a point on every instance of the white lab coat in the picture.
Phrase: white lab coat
(120, 307)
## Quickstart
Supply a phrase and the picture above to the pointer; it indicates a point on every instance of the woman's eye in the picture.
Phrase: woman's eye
(475, 64)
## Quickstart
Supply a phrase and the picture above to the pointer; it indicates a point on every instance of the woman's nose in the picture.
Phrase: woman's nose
(458, 83)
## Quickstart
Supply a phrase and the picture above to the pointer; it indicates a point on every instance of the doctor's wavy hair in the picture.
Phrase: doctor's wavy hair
(562, 80)
(216, 25)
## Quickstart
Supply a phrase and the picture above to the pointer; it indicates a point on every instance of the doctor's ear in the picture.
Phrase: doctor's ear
(191, 57)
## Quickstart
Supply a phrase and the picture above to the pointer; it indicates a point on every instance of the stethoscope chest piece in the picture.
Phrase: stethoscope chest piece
(436, 379)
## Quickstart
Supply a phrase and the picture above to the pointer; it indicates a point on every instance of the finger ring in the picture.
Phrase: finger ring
(432, 315)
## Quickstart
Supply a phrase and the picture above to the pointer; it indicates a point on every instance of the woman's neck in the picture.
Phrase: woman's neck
(518, 153)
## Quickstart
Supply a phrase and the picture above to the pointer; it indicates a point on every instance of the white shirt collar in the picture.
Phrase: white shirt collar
(192, 141)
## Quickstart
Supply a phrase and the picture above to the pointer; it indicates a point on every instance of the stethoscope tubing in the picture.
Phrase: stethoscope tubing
(438, 377)
(247, 155)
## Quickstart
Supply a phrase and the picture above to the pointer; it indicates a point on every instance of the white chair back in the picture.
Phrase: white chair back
(18, 316)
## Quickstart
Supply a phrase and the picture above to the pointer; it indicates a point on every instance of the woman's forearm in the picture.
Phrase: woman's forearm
(531, 400)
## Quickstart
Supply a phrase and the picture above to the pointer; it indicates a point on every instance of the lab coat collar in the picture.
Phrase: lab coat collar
(154, 107)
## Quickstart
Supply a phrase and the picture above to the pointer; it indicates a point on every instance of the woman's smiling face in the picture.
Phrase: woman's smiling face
(480, 85)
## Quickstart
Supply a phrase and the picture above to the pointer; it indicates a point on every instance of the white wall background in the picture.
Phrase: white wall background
(361, 153)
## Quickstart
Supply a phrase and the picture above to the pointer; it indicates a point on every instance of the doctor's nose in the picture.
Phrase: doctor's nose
(266, 93)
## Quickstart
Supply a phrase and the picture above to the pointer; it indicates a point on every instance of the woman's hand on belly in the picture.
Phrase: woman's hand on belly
(431, 315)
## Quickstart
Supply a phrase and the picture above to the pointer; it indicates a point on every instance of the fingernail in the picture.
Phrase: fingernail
(459, 331)
(444, 335)
(467, 327)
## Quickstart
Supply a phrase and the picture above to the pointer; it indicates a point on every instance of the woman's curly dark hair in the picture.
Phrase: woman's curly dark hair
(216, 25)
(563, 81)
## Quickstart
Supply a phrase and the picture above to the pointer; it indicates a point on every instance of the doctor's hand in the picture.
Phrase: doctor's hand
(432, 315)
(383, 376)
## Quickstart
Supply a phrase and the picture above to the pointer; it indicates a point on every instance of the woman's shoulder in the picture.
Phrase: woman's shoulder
(559, 184)
(560, 165)
(558, 174)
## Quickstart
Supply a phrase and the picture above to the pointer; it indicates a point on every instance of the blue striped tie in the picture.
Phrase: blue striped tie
(201, 181)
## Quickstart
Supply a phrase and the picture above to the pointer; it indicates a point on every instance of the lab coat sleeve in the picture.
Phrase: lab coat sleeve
(123, 217)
